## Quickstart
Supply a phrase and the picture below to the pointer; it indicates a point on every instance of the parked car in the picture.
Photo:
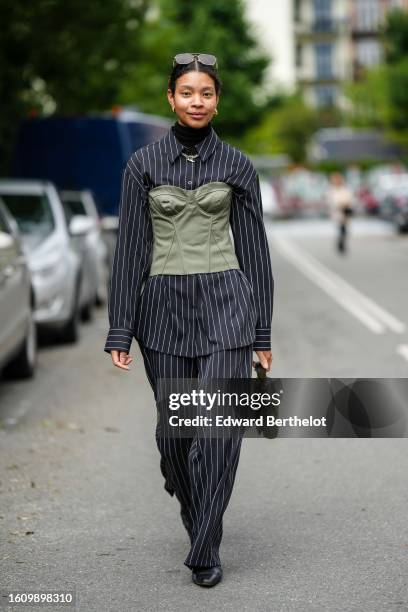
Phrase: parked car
(367, 200)
(392, 193)
(397, 201)
(91, 245)
(18, 337)
(270, 203)
(110, 227)
(401, 218)
(375, 187)
(304, 192)
(55, 266)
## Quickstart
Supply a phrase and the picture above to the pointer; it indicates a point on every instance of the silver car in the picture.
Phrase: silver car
(18, 338)
(93, 249)
(55, 267)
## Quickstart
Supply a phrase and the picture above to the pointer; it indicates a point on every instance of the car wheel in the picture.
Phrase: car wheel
(24, 364)
(401, 224)
(100, 299)
(70, 331)
(87, 312)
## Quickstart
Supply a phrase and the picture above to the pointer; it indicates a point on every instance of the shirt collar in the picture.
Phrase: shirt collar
(204, 148)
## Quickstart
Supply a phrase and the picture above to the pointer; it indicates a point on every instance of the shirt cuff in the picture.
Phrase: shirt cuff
(118, 339)
(262, 339)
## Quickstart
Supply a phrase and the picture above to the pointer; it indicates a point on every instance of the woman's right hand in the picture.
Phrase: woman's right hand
(121, 359)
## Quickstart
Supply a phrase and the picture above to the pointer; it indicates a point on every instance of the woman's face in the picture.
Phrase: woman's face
(337, 179)
(194, 99)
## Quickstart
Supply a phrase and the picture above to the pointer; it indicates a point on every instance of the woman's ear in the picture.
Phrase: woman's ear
(170, 98)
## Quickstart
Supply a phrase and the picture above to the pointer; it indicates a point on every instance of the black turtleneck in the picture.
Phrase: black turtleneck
(190, 136)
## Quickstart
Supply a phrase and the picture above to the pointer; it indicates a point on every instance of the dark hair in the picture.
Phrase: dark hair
(180, 69)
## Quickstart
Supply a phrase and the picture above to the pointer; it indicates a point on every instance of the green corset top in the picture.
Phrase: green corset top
(191, 229)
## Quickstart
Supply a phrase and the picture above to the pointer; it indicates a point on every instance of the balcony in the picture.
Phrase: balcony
(365, 29)
(310, 75)
(321, 28)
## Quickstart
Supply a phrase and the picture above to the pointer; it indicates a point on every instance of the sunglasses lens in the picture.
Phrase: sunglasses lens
(203, 58)
(184, 58)
(206, 58)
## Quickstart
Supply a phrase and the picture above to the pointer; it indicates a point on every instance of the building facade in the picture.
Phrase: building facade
(272, 26)
(335, 40)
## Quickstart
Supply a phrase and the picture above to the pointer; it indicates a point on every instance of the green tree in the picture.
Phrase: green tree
(75, 58)
(398, 95)
(369, 100)
(213, 27)
(395, 36)
(380, 99)
(285, 129)
(64, 56)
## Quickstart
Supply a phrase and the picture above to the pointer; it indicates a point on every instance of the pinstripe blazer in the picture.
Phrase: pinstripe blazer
(193, 314)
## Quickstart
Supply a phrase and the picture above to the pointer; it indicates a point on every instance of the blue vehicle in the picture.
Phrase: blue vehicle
(89, 152)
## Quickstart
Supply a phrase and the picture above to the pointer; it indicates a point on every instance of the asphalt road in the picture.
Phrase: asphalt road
(339, 315)
(312, 524)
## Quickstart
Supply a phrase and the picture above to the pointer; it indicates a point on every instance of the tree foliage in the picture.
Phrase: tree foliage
(285, 129)
(213, 27)
(71, 57)
(369, 100)
(65, 56)
(395, 36)
(380, 99)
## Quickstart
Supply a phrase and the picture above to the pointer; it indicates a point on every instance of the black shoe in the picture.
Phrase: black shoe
(207, 576)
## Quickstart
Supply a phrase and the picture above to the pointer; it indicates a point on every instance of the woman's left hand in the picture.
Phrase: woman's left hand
(265, 357)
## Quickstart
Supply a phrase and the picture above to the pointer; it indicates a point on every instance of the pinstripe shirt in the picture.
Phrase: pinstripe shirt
(192, 314)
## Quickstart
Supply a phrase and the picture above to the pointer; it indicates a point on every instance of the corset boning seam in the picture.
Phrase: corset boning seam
(214, 233)
(209, 243)
(171, 246)
(180, 244)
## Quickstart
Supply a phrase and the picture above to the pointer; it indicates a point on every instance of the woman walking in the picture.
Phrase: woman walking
(341, 206)
(197, 304)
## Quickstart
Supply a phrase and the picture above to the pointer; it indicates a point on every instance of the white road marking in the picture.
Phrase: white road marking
(402, 349)
(373, 316)
(377, 311)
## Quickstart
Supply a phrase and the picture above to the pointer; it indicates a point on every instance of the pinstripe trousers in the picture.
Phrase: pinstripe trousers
(200, 471)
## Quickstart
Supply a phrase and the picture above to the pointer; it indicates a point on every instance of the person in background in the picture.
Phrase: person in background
(341, 207)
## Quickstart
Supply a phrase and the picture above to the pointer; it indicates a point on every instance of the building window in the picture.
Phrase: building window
(298, 55)
(368, 15)
(368, 52)
(322, 15)
(297, 10)
(325, 95)
(323, 54)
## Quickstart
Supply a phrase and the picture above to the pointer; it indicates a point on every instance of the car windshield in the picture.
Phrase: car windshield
(32, 212)
(73, 207)
(4, 232)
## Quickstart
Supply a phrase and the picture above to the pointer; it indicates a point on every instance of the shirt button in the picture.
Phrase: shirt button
(189, 182)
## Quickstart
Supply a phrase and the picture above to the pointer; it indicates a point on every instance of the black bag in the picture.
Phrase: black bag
(264, 430)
